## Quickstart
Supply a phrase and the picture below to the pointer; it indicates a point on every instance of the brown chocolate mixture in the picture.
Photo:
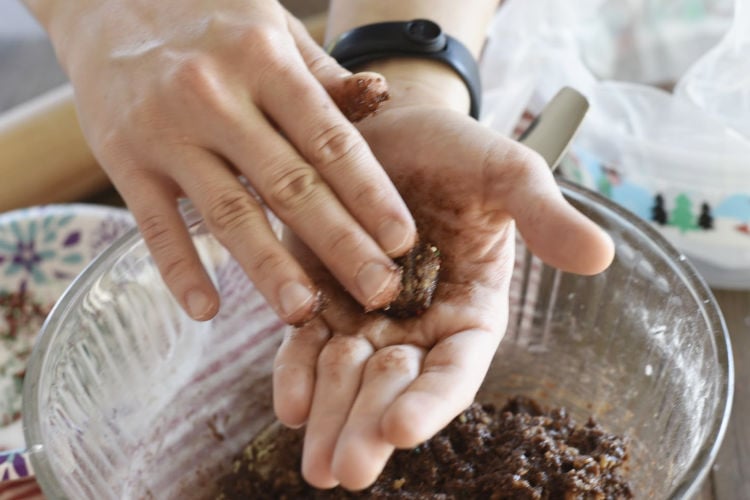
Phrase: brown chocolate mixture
(519, 451)
(420, 269)
(361, 95)
(19, 309)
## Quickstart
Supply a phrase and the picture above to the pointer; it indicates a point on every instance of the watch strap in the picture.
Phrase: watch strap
(419, 38)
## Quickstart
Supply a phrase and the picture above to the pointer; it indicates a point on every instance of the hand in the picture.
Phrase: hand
(178, 98)
(365, 384)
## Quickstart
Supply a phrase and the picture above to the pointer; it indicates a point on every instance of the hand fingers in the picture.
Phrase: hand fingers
(520, 181)
(153, 204)
(339, 372)
(341, 156)
(296, 193)
(325, 68)
(240, 224)
(452, 373)
(294, 372)
(361, 450)
(357, 96)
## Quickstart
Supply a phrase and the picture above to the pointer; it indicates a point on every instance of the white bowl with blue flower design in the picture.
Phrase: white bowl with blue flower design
(42, 249)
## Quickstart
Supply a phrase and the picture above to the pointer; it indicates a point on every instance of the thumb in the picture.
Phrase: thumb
(551, 227)
(356, 95)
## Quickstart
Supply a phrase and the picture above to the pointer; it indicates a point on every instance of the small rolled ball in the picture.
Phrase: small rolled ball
(421, 268)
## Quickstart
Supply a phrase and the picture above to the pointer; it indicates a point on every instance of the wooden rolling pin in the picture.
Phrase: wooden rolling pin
(44, 157)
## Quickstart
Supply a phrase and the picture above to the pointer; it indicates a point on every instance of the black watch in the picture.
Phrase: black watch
(418, 38)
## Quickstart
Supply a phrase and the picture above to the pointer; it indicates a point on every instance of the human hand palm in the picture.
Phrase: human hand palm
(366, 383)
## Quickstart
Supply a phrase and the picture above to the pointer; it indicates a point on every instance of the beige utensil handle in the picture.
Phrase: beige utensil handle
(553, 130)
(44, 157)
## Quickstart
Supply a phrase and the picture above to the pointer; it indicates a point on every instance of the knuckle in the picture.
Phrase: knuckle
(195, 80)
(193, 73)
(155, 231)
(230, 212)
(293, 187)
(160, 240)
(266, 262)
(344, 241)
(320, 63)
(267, 56)
(262, 38)
(367, 194)
(333, 145)
(237, 221)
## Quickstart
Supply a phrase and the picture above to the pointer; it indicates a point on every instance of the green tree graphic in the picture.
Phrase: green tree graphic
(682, 214)
(604, 186)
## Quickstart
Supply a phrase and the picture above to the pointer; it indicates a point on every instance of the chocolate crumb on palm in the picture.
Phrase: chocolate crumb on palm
(421, 267)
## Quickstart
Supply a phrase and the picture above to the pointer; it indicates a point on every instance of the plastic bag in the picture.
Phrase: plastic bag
(720, 81)
(678, 159)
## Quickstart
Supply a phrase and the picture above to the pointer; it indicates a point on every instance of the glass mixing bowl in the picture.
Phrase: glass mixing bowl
(126, 397)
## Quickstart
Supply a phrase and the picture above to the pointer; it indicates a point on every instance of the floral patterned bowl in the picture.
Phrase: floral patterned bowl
(42, 249)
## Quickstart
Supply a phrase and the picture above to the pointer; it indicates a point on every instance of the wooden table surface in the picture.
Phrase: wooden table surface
(28, 68)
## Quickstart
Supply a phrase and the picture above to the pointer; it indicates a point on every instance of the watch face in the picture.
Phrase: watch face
(426, 34)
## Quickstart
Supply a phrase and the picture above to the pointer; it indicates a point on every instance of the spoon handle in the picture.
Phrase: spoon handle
(553, 130)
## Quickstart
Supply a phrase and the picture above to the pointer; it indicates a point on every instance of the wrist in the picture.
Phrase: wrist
(422, 64)
(57, 18)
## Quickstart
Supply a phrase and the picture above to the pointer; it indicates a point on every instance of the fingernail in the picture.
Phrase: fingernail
(395, 237)
(198, 304)
(374, 279)
(293, 296)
